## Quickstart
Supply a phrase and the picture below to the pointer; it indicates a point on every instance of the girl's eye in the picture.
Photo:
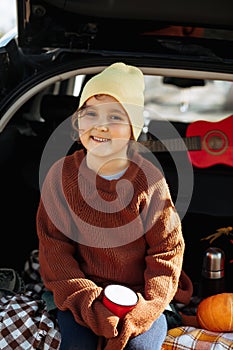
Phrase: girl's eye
(116, 118)
(91, 114)
(88, 114)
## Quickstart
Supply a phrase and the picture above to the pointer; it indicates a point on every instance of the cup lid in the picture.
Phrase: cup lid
(213, 262)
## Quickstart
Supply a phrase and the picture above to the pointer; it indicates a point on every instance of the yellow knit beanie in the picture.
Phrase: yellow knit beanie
(126, 84)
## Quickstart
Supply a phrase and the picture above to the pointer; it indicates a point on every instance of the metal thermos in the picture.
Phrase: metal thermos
(213, 276)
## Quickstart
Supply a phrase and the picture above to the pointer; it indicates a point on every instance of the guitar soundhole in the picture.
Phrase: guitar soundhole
(215, 142)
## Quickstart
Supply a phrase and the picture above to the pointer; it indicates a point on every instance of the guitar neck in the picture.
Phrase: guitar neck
(192, 143)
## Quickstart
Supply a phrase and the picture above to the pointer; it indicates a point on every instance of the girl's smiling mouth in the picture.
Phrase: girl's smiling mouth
(99, 139)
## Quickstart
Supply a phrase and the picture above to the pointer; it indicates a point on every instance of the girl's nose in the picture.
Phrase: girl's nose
(101, 127)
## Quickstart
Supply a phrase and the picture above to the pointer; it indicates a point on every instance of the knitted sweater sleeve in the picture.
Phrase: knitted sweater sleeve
(163, 266)
(61, 272)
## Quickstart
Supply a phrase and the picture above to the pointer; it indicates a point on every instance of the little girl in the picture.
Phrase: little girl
(106, 217)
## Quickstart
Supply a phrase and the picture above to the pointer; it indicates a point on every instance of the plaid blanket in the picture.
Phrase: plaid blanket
(185, 338)
(25, 324)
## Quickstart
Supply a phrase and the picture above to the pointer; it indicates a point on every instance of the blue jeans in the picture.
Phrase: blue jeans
(76, 337)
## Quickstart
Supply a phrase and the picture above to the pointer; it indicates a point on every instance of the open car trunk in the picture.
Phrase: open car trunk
(185, 51)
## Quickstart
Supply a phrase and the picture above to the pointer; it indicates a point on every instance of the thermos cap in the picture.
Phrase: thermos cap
(213, 263)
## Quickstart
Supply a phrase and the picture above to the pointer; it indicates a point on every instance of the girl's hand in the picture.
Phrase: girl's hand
(136, 322)
(106, 321)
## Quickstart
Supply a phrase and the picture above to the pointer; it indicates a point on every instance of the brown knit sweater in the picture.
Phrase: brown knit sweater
(126, 232)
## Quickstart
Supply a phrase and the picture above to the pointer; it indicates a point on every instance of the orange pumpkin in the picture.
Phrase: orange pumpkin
(215, 313)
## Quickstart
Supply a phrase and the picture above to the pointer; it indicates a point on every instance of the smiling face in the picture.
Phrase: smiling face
(104, 127)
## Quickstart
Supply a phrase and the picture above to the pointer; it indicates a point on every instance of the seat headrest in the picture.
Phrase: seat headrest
(58, 107)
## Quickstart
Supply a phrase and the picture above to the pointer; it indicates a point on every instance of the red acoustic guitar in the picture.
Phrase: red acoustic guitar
(208, 143)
